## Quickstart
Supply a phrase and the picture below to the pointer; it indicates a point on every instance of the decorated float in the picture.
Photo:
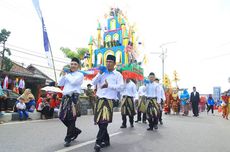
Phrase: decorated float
(116, 38)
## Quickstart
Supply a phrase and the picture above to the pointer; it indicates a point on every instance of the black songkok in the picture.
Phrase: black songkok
(75, 60)
(111, 57)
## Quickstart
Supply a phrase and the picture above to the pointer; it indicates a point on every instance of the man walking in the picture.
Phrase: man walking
(127, 104)
(109, 82)
(195, 99)
(153, 97)
(141, 108)
(161, 102)
(72, 82)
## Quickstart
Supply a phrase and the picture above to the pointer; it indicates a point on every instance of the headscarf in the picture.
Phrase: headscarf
(27, 95)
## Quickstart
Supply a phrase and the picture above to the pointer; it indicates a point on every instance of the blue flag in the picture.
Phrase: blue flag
(45, 35)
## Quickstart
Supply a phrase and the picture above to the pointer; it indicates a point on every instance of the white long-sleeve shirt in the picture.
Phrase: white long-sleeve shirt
(153, 90)
(115, 82)
(141, 91)
(21, 106)
(72, 82)
(130, 89)
(162, 92)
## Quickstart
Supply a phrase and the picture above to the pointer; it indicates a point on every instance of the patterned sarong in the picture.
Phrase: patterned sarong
(127, 106)
(69, 109)
(142, 104)
(103, 111)
(152, 110)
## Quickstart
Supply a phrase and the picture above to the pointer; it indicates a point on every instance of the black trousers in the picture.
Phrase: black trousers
(48, 112)
(153, 122)
(195, 109)
(71, 129)
(124, 120)
(139, 116)
(103, 135)
(160, 115)
(211, 107)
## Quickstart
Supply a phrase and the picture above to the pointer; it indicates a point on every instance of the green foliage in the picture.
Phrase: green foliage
(8, 64)
(79, 53)
(4, 35)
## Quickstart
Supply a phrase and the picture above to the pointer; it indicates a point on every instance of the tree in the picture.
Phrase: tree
(80, 53)
(6, 63)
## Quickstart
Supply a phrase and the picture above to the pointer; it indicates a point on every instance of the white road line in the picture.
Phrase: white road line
(84, 144)
(28, 121)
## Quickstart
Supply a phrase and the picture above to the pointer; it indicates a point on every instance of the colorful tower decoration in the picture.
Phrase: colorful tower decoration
(90, 52)
(99, 35)
(117, 40)
(175, 78)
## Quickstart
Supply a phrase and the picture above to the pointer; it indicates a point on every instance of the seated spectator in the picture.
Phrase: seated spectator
(54, 103)
(40, 102)
(2, 101)
(40, 99)
(29, 100)
(45, 109)
(21, 108)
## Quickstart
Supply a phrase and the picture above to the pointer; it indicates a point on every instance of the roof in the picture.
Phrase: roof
(38, 73)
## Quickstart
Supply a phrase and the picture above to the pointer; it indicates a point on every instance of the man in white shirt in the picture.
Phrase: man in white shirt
(141, 108)
(109, 83)
(127, 104)
(153, 97)
(72, 82)
(161, 104)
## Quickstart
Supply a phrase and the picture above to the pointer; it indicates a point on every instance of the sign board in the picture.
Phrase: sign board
(216, 93)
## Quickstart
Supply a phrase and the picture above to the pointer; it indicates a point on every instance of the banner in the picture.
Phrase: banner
(45, 35)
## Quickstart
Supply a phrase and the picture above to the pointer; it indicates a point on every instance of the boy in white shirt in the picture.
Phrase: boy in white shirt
(21, 106)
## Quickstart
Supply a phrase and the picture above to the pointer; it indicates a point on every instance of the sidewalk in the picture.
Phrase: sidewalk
(14, 116)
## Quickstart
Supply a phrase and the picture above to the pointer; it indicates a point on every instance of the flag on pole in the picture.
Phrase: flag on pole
(45, 35)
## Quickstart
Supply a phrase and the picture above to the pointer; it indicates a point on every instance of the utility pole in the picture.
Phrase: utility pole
(163, 56)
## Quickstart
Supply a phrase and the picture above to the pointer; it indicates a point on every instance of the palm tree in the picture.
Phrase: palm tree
(79, 53)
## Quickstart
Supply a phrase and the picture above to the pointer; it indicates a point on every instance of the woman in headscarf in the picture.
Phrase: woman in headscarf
(29, 100)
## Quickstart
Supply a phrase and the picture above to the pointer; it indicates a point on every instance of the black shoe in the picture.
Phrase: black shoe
(161, 122)
(131, 125)
(76, 134)
(97, 148)
(155, 127)
(105, 144)
(136, 121)
(144, 122)
(150, 129)
(122, 126)
(67, 143)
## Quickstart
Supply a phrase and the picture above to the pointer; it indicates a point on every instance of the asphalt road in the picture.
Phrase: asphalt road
(207, 133)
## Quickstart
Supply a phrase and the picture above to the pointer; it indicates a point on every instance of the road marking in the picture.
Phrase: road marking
(84, 144)
(27, 121)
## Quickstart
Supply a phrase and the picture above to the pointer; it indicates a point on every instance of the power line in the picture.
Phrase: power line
(46, 67)
(27, 53)
(26, 50)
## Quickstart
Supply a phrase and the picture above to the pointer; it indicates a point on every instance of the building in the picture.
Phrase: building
(34, 78)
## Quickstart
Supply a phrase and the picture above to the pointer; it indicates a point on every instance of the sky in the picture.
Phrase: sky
(195, 33)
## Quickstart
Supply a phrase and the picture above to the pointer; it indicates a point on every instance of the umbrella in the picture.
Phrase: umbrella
(52, 89)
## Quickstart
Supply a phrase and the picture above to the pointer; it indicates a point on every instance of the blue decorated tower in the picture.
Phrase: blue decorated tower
(117, 40)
